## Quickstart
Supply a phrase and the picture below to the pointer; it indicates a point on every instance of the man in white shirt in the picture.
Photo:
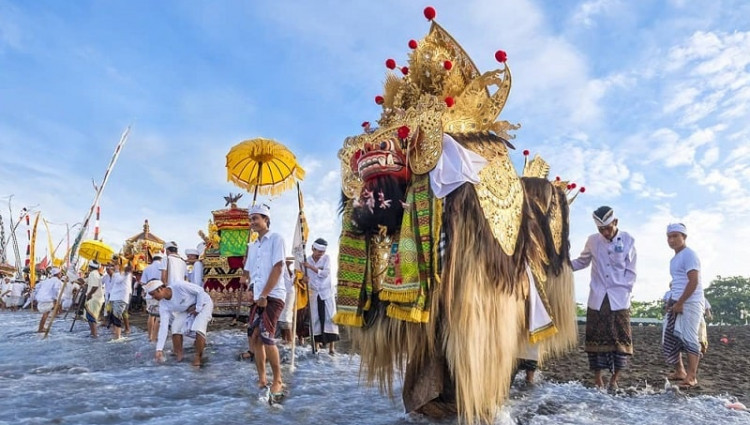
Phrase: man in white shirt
(685, 308)
(195, 266)
(46, 295)
(151, 272)
(263, 269)
(109, 272)
(322, 295)
(174, 268)
(611, 253)
(119, 296)
(180, 300)
(94, 297)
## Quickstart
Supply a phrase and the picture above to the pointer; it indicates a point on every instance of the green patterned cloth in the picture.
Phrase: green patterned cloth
(233, 242)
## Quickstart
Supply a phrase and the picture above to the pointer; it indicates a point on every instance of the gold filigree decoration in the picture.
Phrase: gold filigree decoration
(501, 196)
(556, 222)
(351, 182)
(537, 167)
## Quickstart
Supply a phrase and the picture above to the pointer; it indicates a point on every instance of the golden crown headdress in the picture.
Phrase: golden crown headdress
(440, 91)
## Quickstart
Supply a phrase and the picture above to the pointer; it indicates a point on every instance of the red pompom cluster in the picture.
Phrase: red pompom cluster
(390, 64)
(449, 101)
(501, 56)
(525, 152)
(405, 70)
(413, 44)
(365, 124)
(429, 13)
(403, 132)
(379, 99)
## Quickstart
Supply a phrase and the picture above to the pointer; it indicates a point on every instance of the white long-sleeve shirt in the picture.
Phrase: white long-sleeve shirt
(48, 289)
(195, 276)
(119, 287)
(184, 294)
(612, 269)
(320, 282)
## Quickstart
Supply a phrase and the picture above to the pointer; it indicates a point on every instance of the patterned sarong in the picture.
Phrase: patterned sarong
(608, 331)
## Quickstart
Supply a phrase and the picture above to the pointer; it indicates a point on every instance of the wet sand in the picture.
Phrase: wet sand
(723, 370)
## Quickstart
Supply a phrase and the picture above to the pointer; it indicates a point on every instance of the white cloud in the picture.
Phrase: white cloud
(588, 11)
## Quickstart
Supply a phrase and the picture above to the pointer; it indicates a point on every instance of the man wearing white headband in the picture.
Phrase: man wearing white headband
(685, 308)
(176, 302)
(263, 269)
(195, 267)
(94, 297)
(151, 272)
(46, 295)
(174, 268)
(322, 300)
(612, 256)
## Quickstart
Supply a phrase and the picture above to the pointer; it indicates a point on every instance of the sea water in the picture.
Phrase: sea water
(69, 378)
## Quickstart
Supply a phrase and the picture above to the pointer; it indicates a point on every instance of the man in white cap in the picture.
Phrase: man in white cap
(195, 267)
(685, 308)
(611, 253)
(263, 269)
(178, 301)
(322, 300)
(94, 296)
(174, 268)
(152, 272)
(46, 295)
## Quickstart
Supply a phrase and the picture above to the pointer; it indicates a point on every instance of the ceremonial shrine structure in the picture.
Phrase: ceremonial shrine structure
(223, 259)
(138, 249)
(451, 265)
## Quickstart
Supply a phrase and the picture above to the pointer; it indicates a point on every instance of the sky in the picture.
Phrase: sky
(644, 103)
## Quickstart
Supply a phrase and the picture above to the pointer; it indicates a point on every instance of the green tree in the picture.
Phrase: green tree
(647, 309)
(730, 299)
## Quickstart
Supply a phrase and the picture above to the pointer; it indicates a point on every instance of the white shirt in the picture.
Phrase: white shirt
(47, 290)
(612, 269)
(683, 262)
(119, 287)
(320, 282)
(16, 289)
(151, 272)
(195, 276)
(68, 290)
(107, 284)
(95, 281)
(184, 294)
(176, 269)
(262, 255)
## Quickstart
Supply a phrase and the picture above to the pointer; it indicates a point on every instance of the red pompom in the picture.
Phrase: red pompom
(557, 179)
(413, 44)
(405, 70)
(390, 64)
(429, 13)
(449, 101)
(448, 65)
(526, 152)
(501, 56)
(365, 124)
(379, 99)
(403, 132)
(572, 185)
(583, 189)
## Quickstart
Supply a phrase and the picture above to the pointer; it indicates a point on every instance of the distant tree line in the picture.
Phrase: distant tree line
(729, 298)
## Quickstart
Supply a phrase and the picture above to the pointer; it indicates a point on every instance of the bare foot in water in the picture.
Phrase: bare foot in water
(277, 387)
(678, 376)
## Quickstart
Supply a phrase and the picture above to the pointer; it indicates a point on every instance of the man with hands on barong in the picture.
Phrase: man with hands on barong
(178, 301)
(94, 297)
(609, 338)
(685, 308)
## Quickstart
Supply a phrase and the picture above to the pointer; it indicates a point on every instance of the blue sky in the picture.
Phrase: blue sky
(644, 103)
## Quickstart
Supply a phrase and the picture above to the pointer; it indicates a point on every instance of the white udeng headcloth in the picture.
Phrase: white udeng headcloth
(677, 227)
(152, 285)
(319, 246)
(604, 216)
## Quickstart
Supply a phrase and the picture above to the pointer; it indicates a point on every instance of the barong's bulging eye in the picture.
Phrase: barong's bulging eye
(383, 145)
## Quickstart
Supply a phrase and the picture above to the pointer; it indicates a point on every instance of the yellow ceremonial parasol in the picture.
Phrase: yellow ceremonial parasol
(263, 166)
(96, 250)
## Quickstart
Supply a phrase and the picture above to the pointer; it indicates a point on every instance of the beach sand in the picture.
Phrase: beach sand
(721, 371)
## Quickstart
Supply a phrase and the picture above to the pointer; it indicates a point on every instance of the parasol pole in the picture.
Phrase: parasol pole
(242, 287)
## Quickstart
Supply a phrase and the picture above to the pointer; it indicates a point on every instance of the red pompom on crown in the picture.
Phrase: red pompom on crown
(525, 152)
(572, 185)
(449, 101)
(429, 13)
(501, 56)
(365, 124)
(583, 189)
(413, 44)
(379, 99)
(557, 179)
(569, 187)
(405, 70)
(403, 132)
(448, 65)
(390, 64)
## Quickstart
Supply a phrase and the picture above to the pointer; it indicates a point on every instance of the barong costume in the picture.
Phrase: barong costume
(184, 295)
(262, 254)
(609, 339)
(682, 330)
(322, 299)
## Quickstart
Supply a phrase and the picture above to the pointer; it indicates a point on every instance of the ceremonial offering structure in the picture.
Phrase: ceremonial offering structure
(450, 262)
(139, 248)
(224, 257)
